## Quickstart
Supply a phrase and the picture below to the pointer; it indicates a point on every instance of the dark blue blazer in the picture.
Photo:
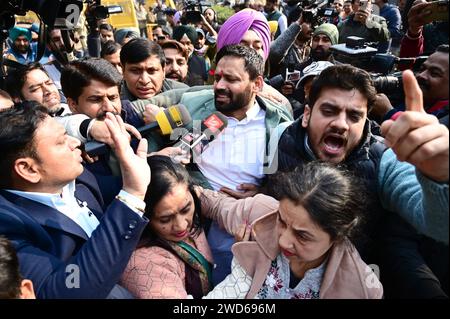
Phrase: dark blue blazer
(52, 248)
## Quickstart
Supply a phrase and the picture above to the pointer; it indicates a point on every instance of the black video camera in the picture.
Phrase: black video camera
(389, 81)
(55, 14)
(317, 12)
(354, 51)
(382, 67)
(194, 10)
(391, 85)
(102, 12)
(62, 14)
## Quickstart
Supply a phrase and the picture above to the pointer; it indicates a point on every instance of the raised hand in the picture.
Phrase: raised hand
(100, 132)
(362, 15)
(177, 154)
(270, 96)
(287, 88)
(380, 107)
(149, 114)
(418, 16)
(134, 167)
(417, 137)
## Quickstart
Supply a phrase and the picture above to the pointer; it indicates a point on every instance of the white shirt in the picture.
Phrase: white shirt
(282, 23)
(75, 209)
(66, 203)
(237, 155)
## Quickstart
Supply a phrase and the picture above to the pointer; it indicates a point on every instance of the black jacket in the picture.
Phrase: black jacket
(363, 161)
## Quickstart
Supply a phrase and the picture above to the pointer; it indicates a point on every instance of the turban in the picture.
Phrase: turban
(180, 30)
(121, 34)
(234, 28)
(16, 32)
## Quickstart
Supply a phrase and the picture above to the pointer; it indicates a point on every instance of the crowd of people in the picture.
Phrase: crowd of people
(319, 185)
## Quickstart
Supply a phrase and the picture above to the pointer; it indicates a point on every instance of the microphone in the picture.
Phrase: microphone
(166, 120)
(211, 127)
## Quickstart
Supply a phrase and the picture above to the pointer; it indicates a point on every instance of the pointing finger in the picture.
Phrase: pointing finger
(413, 93)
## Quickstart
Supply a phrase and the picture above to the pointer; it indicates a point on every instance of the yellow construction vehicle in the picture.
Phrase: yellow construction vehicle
(127, 19)
(151, 3)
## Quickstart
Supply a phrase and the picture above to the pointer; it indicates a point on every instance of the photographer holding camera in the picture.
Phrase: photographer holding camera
(426, 29)
(288, 53)
(61, 42)
(433, 81)
(364, 24)
(292, 46)
(324, 36)
(200, 15)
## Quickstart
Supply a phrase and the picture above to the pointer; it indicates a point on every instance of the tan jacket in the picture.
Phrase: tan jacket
(346, 274)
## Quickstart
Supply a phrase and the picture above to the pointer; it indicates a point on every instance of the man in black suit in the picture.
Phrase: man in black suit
(51, 208)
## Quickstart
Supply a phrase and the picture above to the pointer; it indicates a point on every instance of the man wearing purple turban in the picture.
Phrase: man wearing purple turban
(248, 27)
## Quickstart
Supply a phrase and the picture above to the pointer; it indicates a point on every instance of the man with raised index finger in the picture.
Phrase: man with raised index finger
(335, 128)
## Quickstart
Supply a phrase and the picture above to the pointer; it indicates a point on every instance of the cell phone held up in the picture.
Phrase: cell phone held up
(292, 77)
(363, 4)
(436, 11)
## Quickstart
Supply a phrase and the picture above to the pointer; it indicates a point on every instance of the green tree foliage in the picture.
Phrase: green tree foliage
(223, 13)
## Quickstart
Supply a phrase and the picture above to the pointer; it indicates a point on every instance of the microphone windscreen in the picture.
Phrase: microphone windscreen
(173, 117)
(215, 123)
(185, 115)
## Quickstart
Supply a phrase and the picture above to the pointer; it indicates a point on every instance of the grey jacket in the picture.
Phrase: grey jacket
(375, 29)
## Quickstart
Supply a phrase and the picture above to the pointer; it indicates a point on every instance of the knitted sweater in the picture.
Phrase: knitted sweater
(419, 200)
(156, 273)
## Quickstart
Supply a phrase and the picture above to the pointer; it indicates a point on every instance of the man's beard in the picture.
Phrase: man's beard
(319, 54)
(22, 49)
(237, 101)
(175, 76)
